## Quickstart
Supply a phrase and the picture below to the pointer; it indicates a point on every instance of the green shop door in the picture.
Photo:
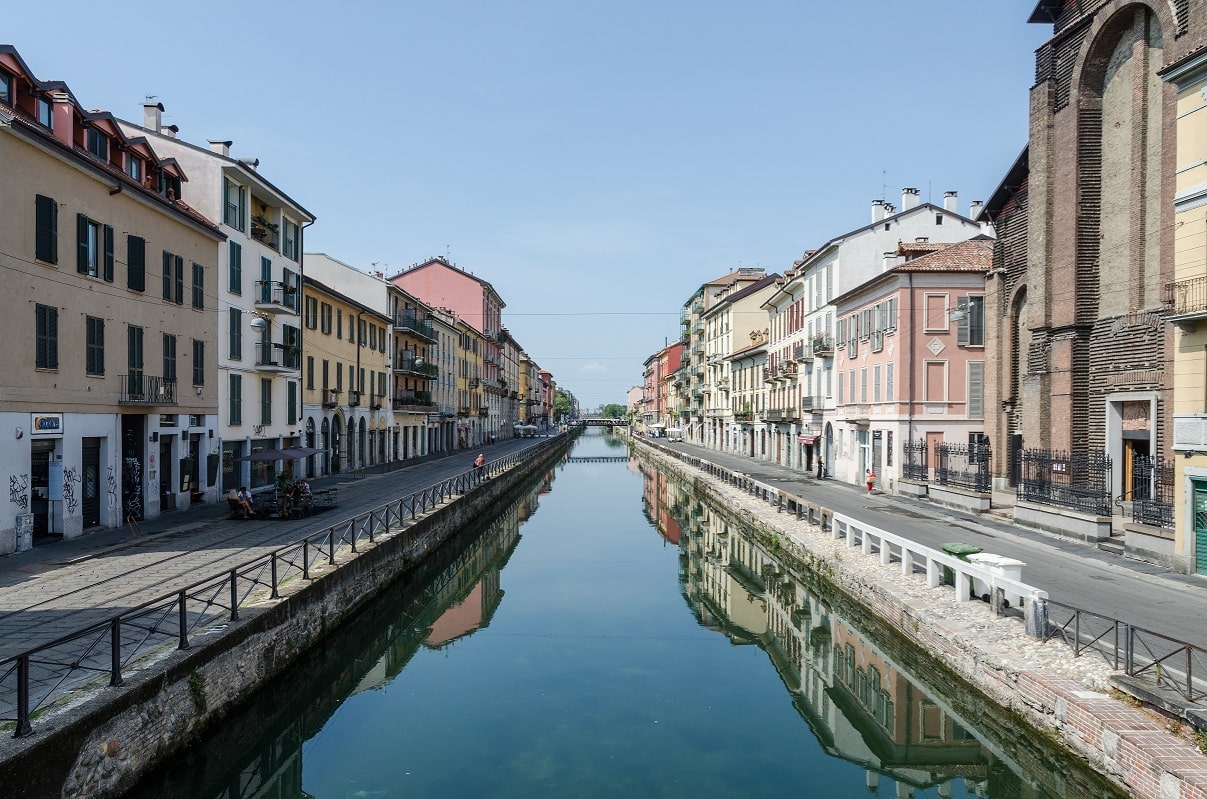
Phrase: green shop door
(1200, 527)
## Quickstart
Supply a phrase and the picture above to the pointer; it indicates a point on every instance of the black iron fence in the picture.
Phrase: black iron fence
(1080, 481)
(964, 465)
(100, 654)
(915, 466)
(1152, 492)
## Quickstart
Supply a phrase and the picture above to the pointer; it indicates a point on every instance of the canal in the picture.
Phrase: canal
(608, 635)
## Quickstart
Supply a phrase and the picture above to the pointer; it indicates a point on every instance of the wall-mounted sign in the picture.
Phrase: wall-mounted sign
(46, 424)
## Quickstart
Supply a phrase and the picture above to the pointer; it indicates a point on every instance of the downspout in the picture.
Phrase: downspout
(302, 339)
(910, 275)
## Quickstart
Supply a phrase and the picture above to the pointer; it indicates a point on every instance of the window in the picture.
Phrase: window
(46, 229)
(6, 88)
(265, 400)
(98, 144)
(326, 369)
(311, 312)
(291, 413)
(47, 334)
(94, 336)
(976, 389)
(133, 167)
(290, 244)
(235, 352)
(236, 399)
(970, 330)
(45, 114)
(265, 283)
(339, 323)
(136, 263)
(310, 373)
(938, 219)
(179, 264)
(291, 343)
(235, 267)
(198, 286)
(198, 362)
(169, 357)
(888, 384)
(173, 278)
(94, 248)
(876, 383)
(234, 204)
(325, 317)
(935, 314)
(863, 384)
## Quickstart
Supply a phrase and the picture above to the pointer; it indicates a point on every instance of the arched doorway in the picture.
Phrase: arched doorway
(325, 446)
(310, 439)
(335, 444)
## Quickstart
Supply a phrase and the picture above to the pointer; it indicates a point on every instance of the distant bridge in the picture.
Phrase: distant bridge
(598, 421)
(599, 459)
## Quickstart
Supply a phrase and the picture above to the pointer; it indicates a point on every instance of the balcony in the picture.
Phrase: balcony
(274, 296)
(139, 389)
(773, 415)
(859, 414)
(266, 232)
(1187, 302)
(408, 362)
(816, 404)
(417, 401)
(408, 321)
(330, 398)
(463, 410)
(806, 403)
(483, 411)
(802, 352)
(822, 346)
(768, 375)
(474, 382)
(274, 357)
(876, 340)
(353, 399)
(789, 414)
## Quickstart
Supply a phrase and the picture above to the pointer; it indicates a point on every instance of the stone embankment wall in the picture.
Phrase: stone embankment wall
(102, 748)
(1064, 699)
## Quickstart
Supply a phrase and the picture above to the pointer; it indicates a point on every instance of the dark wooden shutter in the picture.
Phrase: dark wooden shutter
(179, 263)
(167, 275)
(81, 244)
(46, 245)
(136, 263)
(108, 270)
(962, 323)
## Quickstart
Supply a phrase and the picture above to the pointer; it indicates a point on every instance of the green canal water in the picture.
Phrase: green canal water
(609, 636)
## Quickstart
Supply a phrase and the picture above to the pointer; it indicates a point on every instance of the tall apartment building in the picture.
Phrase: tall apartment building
(259, 336)
(112, 402)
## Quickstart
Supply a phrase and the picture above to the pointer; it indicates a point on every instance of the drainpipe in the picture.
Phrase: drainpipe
(910, 275)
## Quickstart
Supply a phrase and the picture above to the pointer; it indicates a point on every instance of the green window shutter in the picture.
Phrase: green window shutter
(236, 399)
(198, 362)
(236, 267)
(976, 389)
(81, 244)
(167, 275)
(962, 324)
(108, 263)
(179, 265)
(136, 263)
(46, 245)
(236, 334)
(293, 403)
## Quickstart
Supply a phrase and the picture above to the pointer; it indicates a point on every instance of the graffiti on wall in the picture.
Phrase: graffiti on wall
(70, 478)
(111, 489)
(18, 490)
(132, 479)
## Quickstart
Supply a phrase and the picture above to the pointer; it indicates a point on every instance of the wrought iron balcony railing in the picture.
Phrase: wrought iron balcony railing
(140, 389)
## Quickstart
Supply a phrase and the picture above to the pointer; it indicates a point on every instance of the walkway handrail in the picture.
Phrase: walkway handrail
(1137, 651)
(140, 632)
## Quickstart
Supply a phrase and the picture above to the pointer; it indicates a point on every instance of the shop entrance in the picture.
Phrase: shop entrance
(90, 482)
(42, 452)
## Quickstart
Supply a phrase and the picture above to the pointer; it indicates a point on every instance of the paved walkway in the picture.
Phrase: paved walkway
(1071, 572)
(62, 586)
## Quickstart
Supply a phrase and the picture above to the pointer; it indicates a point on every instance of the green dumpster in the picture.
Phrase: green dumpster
(957, 550)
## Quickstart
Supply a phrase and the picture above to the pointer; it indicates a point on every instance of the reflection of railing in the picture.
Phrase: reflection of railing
(107, 649)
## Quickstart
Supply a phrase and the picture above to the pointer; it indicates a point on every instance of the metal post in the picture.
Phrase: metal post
(234, 595)
(23, 727)
(273, 563)
(115, 653)
(306, 559)
(331, 545)
(183, 618)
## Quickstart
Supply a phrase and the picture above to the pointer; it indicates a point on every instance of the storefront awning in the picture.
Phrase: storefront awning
(805, 439)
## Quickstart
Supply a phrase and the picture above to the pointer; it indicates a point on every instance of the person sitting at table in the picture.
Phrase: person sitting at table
(243, 497)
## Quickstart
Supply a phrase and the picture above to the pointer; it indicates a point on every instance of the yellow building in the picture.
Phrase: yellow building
(345, 350)
(472, 410)
(1186, 549)
(109, 397)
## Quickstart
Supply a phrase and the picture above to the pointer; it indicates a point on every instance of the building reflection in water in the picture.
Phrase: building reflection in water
(266, 741)
(858, 701)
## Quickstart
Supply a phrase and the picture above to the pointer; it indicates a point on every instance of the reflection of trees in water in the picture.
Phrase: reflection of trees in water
(857, 686)
(258, 751)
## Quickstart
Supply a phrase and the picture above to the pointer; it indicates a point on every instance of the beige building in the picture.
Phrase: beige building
(472, 410)
(111, 402)
(1187, 297)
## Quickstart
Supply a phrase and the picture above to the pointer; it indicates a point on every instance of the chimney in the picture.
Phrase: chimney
(170, 131)
(64, 117)
(250, 163)
(152, 116)
(888, 261)
(950, 201)
(909, 199)
(221, 147)
(974, 209)
(878, 210)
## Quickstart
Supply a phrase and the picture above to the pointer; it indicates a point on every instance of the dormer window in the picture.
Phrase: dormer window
(6, 88)
(98, 144)
(45, 113)
(133, 167)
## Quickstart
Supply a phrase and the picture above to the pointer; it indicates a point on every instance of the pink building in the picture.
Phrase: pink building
(910, 360)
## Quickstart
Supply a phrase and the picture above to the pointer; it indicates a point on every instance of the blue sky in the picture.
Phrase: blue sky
(595, 161)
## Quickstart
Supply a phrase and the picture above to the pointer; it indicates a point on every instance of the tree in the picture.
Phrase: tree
(613, 411)
(564, 405)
